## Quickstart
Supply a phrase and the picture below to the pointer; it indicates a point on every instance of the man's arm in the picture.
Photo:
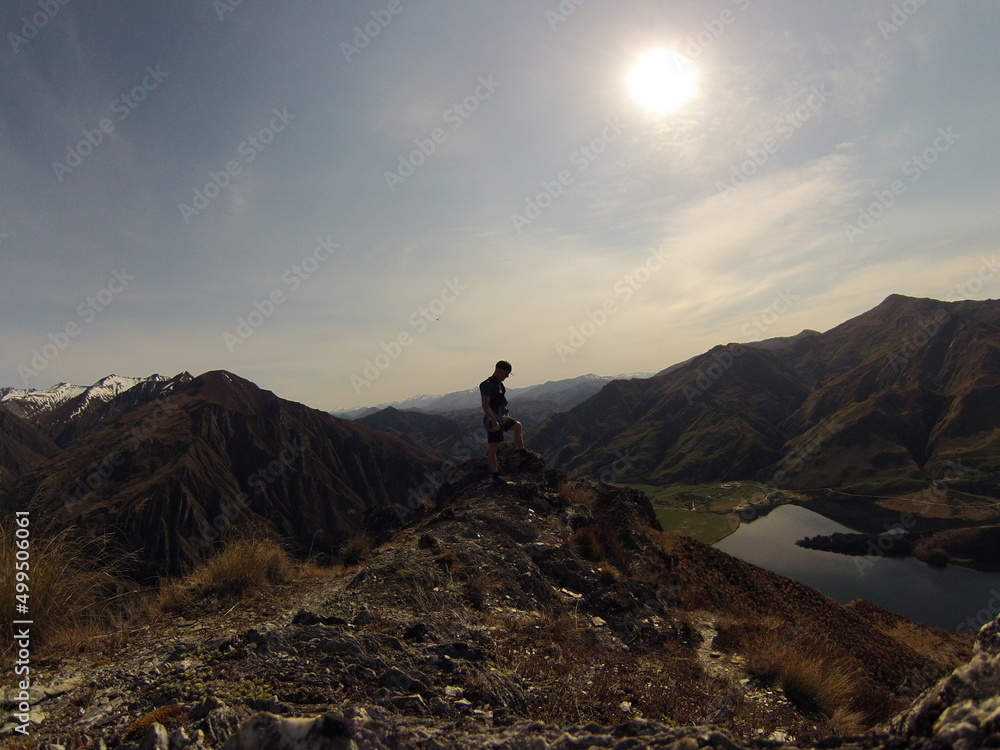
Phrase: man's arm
(487, 411)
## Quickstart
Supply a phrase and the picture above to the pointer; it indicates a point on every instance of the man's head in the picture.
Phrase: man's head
(502, 369)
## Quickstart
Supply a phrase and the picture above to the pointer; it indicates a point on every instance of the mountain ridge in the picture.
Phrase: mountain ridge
(177, 465)
(917, 378)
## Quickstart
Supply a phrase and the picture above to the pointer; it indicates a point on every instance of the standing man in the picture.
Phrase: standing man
(496, 417)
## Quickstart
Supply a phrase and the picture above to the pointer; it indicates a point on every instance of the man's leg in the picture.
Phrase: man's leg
(518, 435)
(491, 456)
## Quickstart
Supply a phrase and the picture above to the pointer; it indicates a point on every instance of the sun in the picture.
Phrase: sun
(662, 81)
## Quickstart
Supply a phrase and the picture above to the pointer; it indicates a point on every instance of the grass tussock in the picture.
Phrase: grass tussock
(73, 591)
(477, 587)
(577, 494)
(813, 677)
(243, 567)
(357, 548)
(599, 544)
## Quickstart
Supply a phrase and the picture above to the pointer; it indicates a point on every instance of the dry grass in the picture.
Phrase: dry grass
(73, 592)
(577, 494)
(599, 544)
(357, 548)
(478, 586)
(811, 674)
(243, 567)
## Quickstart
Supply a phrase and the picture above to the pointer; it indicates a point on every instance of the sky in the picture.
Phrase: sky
(350, 203)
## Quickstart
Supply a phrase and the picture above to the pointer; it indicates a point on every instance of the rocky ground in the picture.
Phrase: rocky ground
(539, 615)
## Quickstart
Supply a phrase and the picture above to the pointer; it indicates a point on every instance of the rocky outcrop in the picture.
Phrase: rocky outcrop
(963, 710)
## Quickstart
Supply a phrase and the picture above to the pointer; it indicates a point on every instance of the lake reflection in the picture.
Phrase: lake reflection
(944, 597)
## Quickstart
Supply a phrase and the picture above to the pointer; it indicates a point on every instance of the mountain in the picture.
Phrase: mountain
(22, 447)
(65, 409)
(552, 395)
(544, 614)
(450, 427)
(170, 467)
(440, 436)
(898, 396)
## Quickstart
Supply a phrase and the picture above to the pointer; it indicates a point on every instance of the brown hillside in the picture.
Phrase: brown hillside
(169, 477)
(894, 398)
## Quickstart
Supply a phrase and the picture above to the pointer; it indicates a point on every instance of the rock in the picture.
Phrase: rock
(202, 709)
(963, 709)
(457, 651)
(397, 680)
(411, 704)
(269, 732)
(156, 738)
(416, 632)
(305, 617)
(342, 645)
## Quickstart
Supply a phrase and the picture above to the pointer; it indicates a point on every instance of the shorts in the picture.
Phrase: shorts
(497, 437)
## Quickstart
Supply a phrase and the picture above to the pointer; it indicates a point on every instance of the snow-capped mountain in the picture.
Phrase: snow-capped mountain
(33, 404)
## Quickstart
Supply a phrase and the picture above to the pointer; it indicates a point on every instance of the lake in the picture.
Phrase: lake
(952, 597)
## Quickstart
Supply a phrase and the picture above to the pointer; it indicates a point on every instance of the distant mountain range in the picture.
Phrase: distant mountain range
(553, 394)
(450, 426)
(168, 467)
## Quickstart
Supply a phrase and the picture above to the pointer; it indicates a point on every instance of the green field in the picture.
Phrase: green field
(708, 527)
(703, 511)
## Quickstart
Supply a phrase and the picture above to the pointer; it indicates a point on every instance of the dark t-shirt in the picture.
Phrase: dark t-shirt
(498, 401)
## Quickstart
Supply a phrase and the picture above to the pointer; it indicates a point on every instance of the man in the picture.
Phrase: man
(496, 417)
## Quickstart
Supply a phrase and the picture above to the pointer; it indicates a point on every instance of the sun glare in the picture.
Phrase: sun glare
(662, 81)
